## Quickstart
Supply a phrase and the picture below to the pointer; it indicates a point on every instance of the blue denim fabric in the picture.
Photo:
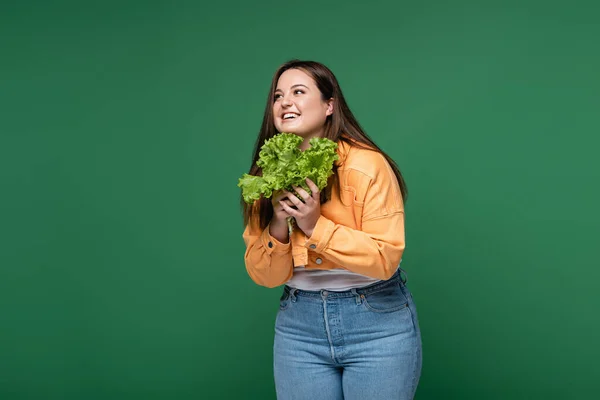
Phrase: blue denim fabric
(357, 344)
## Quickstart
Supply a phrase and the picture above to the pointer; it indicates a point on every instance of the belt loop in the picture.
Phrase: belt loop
(293, 294)
(356, 295)
(405, 279)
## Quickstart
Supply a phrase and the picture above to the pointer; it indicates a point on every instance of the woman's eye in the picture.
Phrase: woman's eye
(277, 96)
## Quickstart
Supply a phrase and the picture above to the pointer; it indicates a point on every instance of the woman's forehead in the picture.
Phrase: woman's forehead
(293, 77)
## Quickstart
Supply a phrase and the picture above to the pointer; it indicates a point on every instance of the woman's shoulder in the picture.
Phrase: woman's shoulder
(366, 160)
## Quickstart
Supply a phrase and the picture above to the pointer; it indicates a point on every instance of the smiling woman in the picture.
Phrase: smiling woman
(340, 267)
(299, 107)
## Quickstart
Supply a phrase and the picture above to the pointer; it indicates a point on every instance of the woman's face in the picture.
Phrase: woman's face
(298, 107)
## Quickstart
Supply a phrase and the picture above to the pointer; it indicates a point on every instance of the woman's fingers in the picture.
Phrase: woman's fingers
(288, 202)
(279, 195)
(294, 202)
(293, 212)
(303, 193)
(313, 188)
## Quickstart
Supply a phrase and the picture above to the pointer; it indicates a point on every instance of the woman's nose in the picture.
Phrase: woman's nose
(286, 101)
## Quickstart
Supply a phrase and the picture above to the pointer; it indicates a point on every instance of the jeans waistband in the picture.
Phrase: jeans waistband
(395, 279)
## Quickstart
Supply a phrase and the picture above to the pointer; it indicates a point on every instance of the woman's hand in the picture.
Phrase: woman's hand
(307, 213)
(279, 227)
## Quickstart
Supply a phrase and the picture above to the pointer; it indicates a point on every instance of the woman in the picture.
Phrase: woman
(347, 325)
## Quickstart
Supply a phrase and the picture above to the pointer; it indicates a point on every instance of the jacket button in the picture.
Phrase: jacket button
(270, 244)
(313, 246)
(319, 261)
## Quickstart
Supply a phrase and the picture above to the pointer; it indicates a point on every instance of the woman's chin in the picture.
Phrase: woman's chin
(289, 130)
(296, 130)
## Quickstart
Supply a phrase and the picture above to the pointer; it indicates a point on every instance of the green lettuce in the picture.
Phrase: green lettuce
(284, 164)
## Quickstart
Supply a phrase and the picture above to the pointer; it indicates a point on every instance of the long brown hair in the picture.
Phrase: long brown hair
(341, 121)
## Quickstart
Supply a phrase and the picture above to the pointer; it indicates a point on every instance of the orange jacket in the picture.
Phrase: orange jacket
(361, 229)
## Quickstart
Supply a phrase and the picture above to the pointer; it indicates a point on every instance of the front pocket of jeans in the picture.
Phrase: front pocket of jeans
(388, 299)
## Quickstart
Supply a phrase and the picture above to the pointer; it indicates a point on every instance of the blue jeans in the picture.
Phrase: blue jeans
(357, 344)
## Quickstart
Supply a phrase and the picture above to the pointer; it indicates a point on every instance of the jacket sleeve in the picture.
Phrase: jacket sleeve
(268, 261)
(374, 250)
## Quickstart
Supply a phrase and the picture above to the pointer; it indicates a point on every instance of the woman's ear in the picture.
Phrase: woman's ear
(330, 106)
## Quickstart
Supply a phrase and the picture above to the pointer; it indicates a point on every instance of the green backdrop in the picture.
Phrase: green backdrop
(125, 126)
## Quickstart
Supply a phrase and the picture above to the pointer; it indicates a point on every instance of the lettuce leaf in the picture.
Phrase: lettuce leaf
(284, 164)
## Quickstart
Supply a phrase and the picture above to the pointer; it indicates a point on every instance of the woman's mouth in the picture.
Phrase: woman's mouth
(287, 117)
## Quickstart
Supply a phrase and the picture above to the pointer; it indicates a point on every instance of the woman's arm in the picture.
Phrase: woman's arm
(375, 251)
(376, 248)
(268, 259)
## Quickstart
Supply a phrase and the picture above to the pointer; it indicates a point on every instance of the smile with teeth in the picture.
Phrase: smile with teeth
(288, 116)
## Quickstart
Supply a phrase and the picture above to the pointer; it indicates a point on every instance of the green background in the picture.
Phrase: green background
(125, 126)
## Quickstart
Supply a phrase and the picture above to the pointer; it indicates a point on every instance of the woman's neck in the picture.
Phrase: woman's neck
(306, 142)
